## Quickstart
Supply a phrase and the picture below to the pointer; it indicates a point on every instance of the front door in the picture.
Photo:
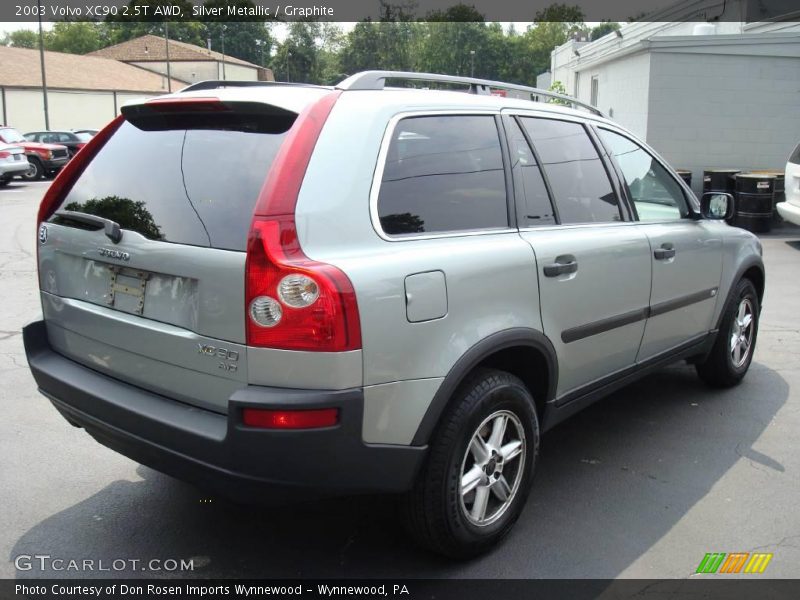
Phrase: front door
(686, 253)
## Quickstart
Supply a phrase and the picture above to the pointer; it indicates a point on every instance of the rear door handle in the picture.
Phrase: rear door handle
(563, 265)
(666, 251)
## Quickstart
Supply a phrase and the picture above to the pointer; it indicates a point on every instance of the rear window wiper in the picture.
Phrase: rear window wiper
(110, 228)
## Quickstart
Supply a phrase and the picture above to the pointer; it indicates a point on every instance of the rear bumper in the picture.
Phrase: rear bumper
(216, 451)
(14, 168)
(789, 211)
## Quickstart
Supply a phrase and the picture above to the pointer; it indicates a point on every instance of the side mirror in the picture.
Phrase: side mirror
(716, 205)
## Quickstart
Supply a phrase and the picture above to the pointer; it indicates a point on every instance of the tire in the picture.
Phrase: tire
(729, 359)
(36, 171)
(435, 512)
(4, 181)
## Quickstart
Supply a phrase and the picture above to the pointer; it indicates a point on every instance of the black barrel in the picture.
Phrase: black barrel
(779, 195)
(686, 175)
(720, 180)
(754, 202)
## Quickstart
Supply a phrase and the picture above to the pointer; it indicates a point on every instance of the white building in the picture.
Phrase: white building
(187, 62)
(721, 95)
(83, 91)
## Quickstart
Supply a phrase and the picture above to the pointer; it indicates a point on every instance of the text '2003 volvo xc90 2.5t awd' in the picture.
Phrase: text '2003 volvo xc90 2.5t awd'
(268, 288)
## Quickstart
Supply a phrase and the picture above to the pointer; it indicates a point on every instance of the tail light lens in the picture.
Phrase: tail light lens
(290, 419)
(293, 302)
(70, 173)
(4, 154)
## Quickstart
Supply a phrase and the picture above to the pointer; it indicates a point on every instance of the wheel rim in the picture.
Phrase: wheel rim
(741, 337)
(31, 172)
(492, 468)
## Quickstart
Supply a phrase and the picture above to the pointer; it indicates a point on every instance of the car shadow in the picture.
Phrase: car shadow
(611, 482)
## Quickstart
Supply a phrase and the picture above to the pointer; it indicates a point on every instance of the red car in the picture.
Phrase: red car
(45, 159)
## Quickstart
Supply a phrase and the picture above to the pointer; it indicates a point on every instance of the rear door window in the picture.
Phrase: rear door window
(194, 184)
(580, 184)
(443, 173)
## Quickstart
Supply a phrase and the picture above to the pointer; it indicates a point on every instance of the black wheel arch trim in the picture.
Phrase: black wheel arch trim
(501, 340)
(740, 272)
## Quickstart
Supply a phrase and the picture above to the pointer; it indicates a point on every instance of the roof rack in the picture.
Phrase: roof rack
(376, 80)
(217, 84)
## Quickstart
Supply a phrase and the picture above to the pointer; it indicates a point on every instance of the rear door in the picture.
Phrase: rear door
(162, 305)
(686, 253)
(593, 265)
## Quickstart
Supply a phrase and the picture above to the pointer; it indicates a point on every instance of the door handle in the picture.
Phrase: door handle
(666, 251)
(562, 266)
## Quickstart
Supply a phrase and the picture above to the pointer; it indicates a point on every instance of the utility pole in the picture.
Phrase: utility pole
(44, 76)
(223, 53)
(166, 42)
(472, 63)
(288, 55)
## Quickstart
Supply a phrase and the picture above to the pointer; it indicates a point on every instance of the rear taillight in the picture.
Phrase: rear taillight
(4, 154)
(293, 302)
(70, 173)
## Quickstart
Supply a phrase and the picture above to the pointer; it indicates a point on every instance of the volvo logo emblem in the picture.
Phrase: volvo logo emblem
(116, 254)
(43, 234)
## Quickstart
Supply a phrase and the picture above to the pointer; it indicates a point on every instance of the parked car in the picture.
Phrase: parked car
(425, 283)
(43, 159)
(72, 140)
(790, 208)
(12, 162)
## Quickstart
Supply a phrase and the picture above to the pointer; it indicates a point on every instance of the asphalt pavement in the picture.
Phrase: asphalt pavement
(640, 485)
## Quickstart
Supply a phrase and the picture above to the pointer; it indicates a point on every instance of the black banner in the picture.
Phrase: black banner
(412, 589)
(357, 10)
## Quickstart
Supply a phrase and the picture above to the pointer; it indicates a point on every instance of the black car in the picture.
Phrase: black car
(74, 141)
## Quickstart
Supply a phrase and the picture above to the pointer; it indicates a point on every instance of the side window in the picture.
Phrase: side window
(581, 188)
(443, 173)
(654, 191)
(538, 209)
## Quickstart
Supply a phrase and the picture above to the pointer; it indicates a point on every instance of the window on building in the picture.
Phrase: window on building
(581, 187)
(595, 89)
(443, 173)
(655, 193)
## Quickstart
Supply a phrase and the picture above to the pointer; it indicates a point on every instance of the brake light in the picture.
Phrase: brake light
(182, 105)
(293, 302)
(67, 177)
(4, 154)
(290, 419)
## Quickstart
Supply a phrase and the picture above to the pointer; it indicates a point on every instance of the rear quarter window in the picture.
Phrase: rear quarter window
(443, 173)
(795, 157)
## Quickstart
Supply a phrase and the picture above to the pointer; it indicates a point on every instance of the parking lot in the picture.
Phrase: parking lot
(640, 485)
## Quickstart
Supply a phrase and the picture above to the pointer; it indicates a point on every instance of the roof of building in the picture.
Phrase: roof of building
(152, 48)
(21, 68)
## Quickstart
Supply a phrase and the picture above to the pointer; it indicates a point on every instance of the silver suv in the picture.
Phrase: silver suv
(272, 289)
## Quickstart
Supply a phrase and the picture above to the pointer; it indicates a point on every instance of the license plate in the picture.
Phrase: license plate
(127, 289)
(18, 157)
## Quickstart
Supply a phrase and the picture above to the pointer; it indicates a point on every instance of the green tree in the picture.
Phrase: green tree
(21, 38)
(243, 39)
(74, 37)
(603, 29)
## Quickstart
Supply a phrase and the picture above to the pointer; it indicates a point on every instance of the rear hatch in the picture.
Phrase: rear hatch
(142, 261)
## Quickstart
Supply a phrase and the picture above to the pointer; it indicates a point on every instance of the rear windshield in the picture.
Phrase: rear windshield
(195, 185)
(795, 157)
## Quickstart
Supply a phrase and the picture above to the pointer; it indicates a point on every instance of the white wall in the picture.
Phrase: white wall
(67, 109)
(721, 111)
(623, 90)
(193, 71)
